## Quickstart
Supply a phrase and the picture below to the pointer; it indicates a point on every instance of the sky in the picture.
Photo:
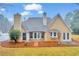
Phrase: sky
(36, 9)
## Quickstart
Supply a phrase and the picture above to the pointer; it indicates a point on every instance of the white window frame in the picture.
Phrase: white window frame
(53, 35)
(37, 33)
(66, 36)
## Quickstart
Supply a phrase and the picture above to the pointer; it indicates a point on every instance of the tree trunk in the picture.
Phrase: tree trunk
(15, 41)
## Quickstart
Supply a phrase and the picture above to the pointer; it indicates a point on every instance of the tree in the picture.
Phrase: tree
(14, 35)
(68, 18)
(5, 24)
(73, 19)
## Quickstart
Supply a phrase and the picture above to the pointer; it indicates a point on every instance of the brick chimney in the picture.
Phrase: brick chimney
(44, 18)
(17, 21)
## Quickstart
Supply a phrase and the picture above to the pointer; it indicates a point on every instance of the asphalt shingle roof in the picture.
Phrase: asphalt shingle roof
(35, 24)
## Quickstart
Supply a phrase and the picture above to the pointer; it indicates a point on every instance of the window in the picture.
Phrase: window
(54, 33)
(35, 35)
(51, 33)
(24, 36)
(64, 36)
(31, 34)
(42, 35)
(39, 35)
(67, 35)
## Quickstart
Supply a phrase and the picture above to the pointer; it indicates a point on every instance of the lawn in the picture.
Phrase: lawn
(76, 37)
(43, 51)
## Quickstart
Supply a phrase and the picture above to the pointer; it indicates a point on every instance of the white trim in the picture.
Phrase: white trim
(66, 36)
(53, 34)
(37, 35)
(27, 36)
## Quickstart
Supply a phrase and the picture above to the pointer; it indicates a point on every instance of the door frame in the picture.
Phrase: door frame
(24, 36)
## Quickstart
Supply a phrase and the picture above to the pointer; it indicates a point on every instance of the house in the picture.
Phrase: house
(42, 28)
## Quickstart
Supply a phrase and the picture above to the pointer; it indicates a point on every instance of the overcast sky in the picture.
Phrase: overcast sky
(35, 10)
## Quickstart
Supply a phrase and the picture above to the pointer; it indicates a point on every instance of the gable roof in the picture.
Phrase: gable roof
(36, 24)
(58, 16)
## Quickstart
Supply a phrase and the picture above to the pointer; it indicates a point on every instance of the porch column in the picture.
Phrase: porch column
(27, 36)
(47, 36)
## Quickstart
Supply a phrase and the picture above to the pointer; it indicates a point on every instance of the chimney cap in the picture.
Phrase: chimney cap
(18, 14)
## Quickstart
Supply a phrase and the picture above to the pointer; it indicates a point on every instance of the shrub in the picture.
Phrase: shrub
(14, 35)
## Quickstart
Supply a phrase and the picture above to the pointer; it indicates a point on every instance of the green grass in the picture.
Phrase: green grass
(43, 51)
(76, 37)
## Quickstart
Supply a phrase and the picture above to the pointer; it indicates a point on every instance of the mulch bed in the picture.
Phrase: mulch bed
(12, 44)
(29, 44)
(8, 44)
(75, 40)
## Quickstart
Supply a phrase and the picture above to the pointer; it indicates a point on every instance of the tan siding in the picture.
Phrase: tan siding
(47, 36)
(59, 24)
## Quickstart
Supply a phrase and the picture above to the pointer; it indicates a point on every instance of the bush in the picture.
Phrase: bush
(14, 35)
